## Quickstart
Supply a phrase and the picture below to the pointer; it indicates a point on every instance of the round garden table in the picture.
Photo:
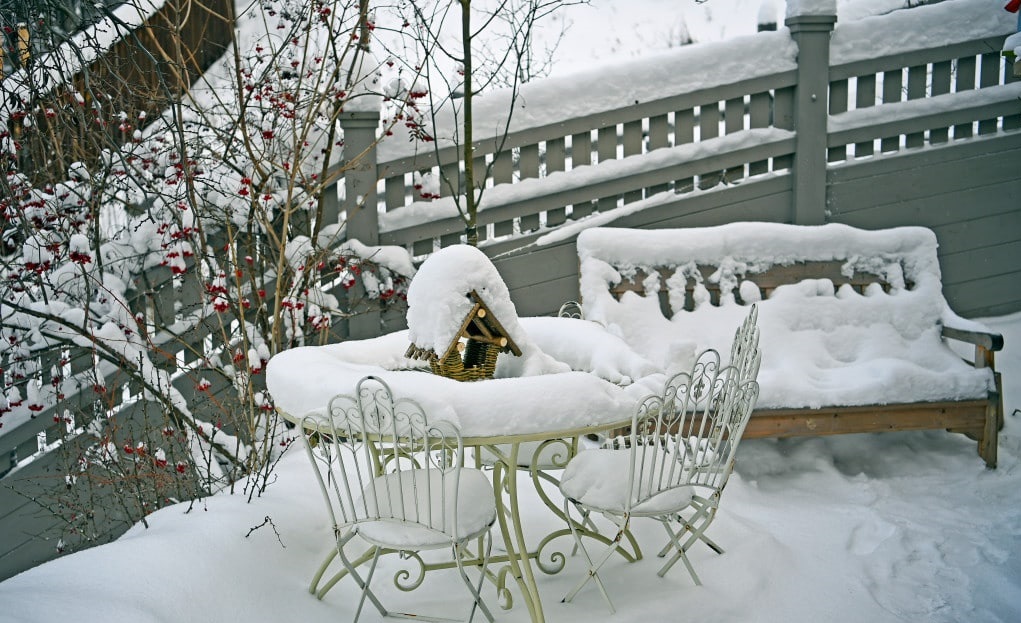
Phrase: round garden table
(526, 425)
(510, 455)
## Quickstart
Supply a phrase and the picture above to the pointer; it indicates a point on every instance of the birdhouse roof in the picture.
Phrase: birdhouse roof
(441, 299)
(445, 299)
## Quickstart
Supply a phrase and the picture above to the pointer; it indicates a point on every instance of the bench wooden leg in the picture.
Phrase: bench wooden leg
(999, 401)
(987, 445)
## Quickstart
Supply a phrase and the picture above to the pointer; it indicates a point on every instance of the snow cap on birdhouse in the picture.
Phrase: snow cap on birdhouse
(459, 311)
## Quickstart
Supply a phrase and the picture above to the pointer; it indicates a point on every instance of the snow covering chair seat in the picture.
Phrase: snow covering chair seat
(856, 333)
(676, 459)
(398, 482)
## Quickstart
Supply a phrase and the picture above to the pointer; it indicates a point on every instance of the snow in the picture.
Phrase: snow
(471, 491)
(666, 69)
(302, 380)
(821, 346)
(872, 116)
(885, 528)
(1013, 44)
(810, 7)
(683, 70)
(365, 79)
(600, 480)
(881, 528)
(946, 23)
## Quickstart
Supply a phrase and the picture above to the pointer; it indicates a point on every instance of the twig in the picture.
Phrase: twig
(269, 521)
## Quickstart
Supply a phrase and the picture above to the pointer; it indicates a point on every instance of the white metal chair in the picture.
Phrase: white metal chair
(397, 482)
(745, 358)
(676, 460)
(744, 352)
(571, 309)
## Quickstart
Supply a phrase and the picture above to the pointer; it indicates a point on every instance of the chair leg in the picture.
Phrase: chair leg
(362, 584)
(320, 591)
(681, 554)
(586, 521)
(695, 527)
(313, 586)
(476, 591)
(365, 587)
(711, 544)
(594, 566)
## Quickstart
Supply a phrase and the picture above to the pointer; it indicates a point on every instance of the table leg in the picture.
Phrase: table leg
(505, 479)
(585, 527)
(518, 557)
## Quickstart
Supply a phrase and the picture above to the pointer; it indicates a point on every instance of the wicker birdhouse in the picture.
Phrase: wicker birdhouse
(471, 354)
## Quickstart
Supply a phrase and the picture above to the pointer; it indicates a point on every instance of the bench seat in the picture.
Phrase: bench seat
(855, 331)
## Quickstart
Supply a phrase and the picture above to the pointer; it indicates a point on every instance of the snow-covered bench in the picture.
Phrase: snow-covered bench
(854, 327)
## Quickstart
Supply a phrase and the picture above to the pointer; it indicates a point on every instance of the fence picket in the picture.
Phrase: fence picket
(783, 118)
(733, 118)
(865, 98)
(892, 93)
(965, 81)
(942, 73)
(838, 104)
(917, 76)
(990, 70)
(556, 159)
(659, 137)
(684, 133)
(631, 141)
(709, 127)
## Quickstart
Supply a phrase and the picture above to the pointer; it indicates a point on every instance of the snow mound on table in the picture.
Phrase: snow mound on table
(303, 380)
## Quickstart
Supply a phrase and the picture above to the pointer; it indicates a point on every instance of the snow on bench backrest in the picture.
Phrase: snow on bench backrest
(847, 316)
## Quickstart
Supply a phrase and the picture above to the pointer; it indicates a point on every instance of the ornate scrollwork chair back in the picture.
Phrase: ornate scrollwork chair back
(397, 481)
(677, 458)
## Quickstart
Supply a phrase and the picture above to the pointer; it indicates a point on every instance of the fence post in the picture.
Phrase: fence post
(360, 208)
(810, 27)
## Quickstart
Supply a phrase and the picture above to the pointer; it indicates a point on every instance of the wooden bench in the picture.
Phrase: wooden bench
(820, 290)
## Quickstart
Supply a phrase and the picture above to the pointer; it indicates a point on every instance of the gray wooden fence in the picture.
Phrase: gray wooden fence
(928, 136)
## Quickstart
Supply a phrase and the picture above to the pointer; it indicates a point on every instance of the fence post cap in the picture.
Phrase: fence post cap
(811, 14)
(359, 118)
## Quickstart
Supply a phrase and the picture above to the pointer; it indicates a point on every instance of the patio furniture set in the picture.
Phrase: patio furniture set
(401, 451)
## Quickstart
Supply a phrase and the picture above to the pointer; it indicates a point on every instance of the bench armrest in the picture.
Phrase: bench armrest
(986, 342)
(970, 331)
(986, 339)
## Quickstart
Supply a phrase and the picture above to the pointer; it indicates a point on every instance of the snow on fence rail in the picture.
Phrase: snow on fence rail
(676, 124)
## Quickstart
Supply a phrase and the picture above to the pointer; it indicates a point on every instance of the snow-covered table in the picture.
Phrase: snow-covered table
(854, 326)
(601, 382)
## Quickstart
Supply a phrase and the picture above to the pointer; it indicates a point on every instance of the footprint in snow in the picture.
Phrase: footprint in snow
(868, 535)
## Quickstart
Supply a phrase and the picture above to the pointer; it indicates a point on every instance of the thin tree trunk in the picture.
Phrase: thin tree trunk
(471, 230)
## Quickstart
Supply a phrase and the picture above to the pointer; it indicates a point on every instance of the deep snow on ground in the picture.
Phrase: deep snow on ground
(880, 528)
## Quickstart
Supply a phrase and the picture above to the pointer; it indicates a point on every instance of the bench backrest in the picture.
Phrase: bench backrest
(836, 304)
(766, 282)
(747, 262)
